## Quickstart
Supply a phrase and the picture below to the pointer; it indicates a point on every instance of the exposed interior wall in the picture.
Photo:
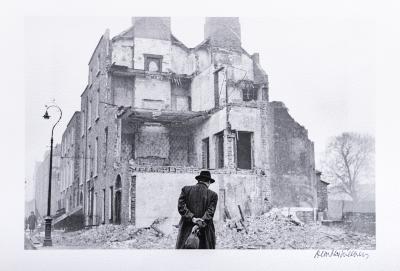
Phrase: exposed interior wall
(249, 119)
(152, 46)
(180, 97)
(152, 145)
(182, 61)
(202, 91)
(152, 93)
(181, 146)
(202, 59)
(122, 52)
(215, 124)
(123, 89)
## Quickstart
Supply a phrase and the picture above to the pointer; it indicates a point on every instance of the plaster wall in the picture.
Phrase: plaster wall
(122, 52)
(202, 91)
(152, 94)
(215, 124)
(157, 195)
(155, 47)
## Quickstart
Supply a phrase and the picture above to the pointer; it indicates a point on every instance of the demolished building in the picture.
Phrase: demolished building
(155, 112)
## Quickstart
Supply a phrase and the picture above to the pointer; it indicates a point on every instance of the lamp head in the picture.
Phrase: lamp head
(46, 115)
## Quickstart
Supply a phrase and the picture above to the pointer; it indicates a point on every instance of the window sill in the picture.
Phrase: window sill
(97, 118)
(89, 128)
(98, 73)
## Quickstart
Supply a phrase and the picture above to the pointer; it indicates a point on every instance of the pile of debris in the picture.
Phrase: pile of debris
(117, 236)
(273, 230)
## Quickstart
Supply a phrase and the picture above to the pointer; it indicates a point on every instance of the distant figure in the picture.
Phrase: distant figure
(32, 222)
(197, 206)
(247, 206)
(267, 205)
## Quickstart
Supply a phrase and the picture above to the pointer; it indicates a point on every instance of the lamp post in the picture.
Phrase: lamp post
(47, 230)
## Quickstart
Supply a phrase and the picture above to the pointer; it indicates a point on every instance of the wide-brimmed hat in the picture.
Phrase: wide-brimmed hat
(205, 175)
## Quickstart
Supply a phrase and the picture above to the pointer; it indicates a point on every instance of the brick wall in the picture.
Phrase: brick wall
(292, 161)
(223, 32)
(322, 195)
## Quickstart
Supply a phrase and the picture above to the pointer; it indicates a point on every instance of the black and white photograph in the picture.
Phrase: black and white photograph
(173, 146)
(196, 134)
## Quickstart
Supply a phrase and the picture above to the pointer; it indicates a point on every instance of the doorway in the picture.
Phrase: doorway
(118, 199)
(244, 150)
(118, 207)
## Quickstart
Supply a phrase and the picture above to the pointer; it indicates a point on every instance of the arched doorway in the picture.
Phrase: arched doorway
(118, 200)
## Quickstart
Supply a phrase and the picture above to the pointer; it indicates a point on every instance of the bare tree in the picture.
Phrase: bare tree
(348, 159)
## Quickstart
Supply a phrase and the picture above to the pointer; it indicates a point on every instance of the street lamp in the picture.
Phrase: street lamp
(47, 230)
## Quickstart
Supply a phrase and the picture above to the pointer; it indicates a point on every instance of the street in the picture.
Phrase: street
(269, 231)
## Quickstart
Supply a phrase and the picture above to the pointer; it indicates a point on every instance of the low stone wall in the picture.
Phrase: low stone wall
(361, 222)
(157, 194)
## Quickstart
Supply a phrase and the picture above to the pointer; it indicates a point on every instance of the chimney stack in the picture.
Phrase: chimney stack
(152, 27)
(223, 32)
(256, 58)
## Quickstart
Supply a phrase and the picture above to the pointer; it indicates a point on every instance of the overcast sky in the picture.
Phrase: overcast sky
(321, 68)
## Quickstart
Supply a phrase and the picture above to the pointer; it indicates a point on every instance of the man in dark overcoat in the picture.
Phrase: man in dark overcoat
(197, 205)
(32, 222)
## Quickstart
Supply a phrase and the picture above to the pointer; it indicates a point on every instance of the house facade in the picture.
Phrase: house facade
(155, 112)
(41, 183)
(71, 184)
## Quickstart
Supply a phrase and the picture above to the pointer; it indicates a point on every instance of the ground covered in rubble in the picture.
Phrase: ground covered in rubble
(270, 231)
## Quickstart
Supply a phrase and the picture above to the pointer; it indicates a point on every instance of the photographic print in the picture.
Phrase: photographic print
(199, 133)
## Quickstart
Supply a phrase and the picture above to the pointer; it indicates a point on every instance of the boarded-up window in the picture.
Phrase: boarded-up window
(206, 153)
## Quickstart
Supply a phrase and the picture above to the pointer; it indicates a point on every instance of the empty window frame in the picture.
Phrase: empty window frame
(219, 150)
(96, 156)
(110, 204)
(153, 63)
(89, 163)
(206, 153)
(103, 210)
(105, 146)
(216, 89)
(98, 104)
(249, 94)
